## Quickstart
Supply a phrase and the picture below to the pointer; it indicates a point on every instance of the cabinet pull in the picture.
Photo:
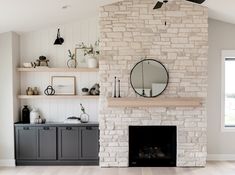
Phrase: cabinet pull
(46, 128)
(26, 128)
(89, 128)
(68, 128)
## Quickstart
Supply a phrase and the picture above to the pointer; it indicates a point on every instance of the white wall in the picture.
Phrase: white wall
(8, 101)
(221, 145)
(37, 43)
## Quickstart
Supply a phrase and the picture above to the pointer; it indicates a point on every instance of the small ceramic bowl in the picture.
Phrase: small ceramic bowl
(27, 65)
(85, 93)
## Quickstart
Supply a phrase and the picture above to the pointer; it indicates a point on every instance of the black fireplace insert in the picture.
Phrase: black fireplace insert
(152, 146)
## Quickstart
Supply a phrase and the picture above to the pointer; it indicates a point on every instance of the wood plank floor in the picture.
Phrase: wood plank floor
(212, 168)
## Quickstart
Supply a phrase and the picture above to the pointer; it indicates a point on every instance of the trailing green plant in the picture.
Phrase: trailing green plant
(90, 49)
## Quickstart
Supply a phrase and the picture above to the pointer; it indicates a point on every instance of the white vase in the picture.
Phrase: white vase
(34, 115)
(92, 62)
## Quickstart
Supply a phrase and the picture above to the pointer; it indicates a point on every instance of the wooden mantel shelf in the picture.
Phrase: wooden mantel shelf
(155, 102)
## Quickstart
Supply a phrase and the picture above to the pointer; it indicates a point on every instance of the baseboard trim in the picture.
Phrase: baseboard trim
(7, 162)
(221, 157)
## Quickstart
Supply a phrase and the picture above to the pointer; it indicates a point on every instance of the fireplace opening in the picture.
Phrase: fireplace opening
(152, 146)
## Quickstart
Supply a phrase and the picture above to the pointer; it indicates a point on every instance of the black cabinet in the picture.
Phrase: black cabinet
(60, 144)
(89, 142)
(47, 143)
(26, 143)
(68, 143)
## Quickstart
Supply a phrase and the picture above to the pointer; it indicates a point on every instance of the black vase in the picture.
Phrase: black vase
(25, 114)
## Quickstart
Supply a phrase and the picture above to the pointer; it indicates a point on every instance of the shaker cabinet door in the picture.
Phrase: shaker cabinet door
(68, 143)
(89, 142)
(47, 143)
(26, 143)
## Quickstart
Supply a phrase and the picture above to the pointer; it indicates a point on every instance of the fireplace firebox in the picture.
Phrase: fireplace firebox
(152, 146)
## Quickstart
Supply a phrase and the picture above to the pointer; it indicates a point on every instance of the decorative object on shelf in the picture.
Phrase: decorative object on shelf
(49, 91)
(72, 62)
(32, 91)
(41, 62)
(59, 40)
(79, 56)
(84, 116)
(92, 62)
(95, 89)
(28, 65)
(119, 93)
(85, 91)
(114, 88)
(90, 52)
(29, 91)
(63, 85)
(149, 78)
(34, 116)
(25, 115)
(73, 120)
(35, 91)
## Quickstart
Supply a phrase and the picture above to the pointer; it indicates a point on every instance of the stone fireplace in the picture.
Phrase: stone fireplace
(131, 30)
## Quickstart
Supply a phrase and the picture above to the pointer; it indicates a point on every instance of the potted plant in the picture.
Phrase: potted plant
(91, 52)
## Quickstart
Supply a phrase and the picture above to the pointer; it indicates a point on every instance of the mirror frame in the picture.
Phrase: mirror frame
(161, 65)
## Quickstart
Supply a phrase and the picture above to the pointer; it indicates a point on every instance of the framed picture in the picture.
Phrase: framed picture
(63, 85)
(80, 57)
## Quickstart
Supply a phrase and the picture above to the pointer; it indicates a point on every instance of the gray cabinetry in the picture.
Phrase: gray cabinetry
(26, 143)
(68, 143)
(57, 144)
(89, 142)
(47, 143)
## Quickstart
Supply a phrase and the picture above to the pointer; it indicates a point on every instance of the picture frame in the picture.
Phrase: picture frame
(80, 57)
(64, 85)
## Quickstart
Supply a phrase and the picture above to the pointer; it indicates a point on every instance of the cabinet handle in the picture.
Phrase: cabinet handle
(89, 128)
(26, 128)
(46, 128)
(68, 128)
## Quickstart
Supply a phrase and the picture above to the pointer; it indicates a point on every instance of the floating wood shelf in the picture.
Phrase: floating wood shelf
(46, 69)
(58, 97)
(155, 102)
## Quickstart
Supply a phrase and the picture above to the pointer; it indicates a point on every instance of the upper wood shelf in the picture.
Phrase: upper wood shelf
(58, 69)
(58, 97)
(155, 102)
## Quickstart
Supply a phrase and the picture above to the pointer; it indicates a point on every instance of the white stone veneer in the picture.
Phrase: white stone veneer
(131, 29)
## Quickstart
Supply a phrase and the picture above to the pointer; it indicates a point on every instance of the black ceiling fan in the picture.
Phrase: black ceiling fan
(160, 3)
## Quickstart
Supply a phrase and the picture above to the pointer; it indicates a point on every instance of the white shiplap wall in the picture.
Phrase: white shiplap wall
(36, 43)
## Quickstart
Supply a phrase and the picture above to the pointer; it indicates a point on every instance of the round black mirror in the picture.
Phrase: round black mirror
(149, 78)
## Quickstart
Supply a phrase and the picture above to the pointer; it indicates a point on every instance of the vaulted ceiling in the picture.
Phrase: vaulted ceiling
(28, 15)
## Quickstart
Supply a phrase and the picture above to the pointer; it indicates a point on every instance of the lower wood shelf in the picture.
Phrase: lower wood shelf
(58, 97)
(155, 102)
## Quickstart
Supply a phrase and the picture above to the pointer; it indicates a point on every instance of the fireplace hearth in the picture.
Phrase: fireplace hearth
(152, 146)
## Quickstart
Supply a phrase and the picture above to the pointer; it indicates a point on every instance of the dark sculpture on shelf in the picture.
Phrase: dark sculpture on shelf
(95, 90)
(42, 61)
(49, 91)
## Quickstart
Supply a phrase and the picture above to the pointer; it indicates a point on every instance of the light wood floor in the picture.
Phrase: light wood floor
(212, 168)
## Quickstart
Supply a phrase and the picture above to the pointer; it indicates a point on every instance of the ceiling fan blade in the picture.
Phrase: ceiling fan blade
(196, 1)
(158, 5)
